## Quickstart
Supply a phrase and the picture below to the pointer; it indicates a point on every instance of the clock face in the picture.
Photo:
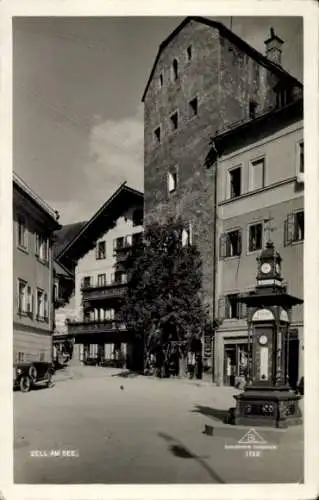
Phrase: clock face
(263, 340)
(266, 268)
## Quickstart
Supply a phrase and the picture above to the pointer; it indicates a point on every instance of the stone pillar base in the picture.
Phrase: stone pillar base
(267, 407)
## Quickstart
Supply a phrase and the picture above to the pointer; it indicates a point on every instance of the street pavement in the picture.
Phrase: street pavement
(96, 426)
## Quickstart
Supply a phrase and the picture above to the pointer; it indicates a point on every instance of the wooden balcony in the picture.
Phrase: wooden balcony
(89, 327)
(104, 292)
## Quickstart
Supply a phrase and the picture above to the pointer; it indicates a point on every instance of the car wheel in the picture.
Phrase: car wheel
(25, 383)
(50, 380)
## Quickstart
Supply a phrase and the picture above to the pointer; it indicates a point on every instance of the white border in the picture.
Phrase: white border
(306, 8)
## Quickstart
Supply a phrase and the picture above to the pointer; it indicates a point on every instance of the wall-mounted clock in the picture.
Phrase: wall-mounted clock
(266, 268)
(263, 340)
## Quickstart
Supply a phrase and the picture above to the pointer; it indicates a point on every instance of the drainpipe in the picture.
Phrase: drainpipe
(215, 179)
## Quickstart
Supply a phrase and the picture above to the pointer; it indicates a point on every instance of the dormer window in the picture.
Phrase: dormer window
(175, 70)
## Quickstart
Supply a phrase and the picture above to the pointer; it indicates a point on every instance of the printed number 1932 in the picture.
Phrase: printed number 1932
(253, 453)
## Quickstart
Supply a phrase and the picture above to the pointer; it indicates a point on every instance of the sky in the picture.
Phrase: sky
(77, 110)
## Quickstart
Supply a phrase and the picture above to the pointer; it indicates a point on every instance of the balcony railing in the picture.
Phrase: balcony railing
(115, 290)
(85, 327)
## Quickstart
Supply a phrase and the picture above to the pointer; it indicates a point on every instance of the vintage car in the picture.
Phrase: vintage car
(30, 374)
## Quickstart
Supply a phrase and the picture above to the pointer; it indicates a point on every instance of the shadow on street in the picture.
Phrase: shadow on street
(213, 413)
(126, 374)
(180, 451)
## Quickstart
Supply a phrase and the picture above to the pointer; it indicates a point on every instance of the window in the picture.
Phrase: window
(157, 135)
(22, 296)
(138, 217)
(229, 307)
(174, 121)
(294, 228)
(255, 237)
(252, 109)
(101, 279)
(161, 80)
(193, 107)
(118, 243)
(29, 300)
(189, 53)
(284, 97)
(257, 174)
(42, 247)
(187, 236)
(171, 181)
(235, 182)
(230, 244)
(301, 158)
(120, 278)
(86, 282)
(137, 239)
(22, 232)
(100, 250)
(42, 304)
(175, 70)
(128, 241)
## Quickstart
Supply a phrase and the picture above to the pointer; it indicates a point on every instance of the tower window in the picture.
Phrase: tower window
(189, 53)
(175, 70)
(174, 121)
(157, 135)
(193, 107)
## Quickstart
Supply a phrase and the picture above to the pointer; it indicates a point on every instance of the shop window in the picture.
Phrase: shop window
(138, 217)
(174, 121)
(100, 250)
(230, 244)
(234, 182)
(257, 174)
(255, 237)
(294, 228)
(193, 107)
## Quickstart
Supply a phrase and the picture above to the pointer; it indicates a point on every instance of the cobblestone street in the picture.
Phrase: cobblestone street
(99, 427)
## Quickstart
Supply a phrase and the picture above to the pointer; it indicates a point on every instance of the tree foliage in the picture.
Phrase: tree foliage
(164, 300)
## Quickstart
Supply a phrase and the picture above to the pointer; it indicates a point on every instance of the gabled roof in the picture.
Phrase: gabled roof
(104, 219)
(65, 235)
(230, 35)
(51, 215)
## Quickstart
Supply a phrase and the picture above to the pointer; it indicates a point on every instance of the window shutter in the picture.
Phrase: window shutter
(222, 246)
(289, 229)
(239, 242)
(222, 308)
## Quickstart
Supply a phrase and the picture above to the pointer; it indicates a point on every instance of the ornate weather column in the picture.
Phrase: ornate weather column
(268, 399)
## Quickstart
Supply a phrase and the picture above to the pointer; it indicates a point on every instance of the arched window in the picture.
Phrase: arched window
(175, 69)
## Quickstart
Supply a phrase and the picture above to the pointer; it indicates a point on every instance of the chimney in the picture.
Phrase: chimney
(273, 47)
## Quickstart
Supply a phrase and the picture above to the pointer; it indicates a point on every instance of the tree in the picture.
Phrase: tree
(164, 301)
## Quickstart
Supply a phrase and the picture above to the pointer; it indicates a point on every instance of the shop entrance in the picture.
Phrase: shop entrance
(235, 361)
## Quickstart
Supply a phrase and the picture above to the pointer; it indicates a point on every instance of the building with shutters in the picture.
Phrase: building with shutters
(205, 80)
(97, 256)
(33, 313)
(260, 196)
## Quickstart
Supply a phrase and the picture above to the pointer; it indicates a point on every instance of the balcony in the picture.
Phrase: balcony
(123, 245)
(115, 290)
(89, 327)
